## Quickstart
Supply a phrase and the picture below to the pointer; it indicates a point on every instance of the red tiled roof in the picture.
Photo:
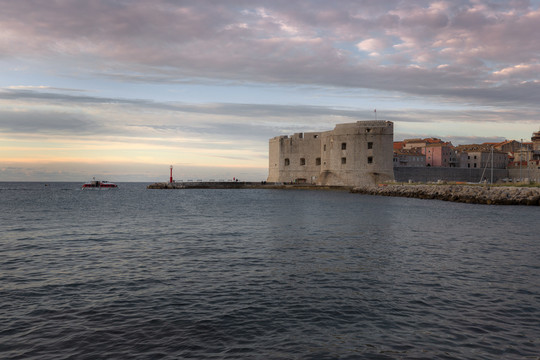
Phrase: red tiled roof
(413, 151)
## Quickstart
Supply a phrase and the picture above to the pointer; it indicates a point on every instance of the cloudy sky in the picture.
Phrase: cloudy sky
(123, 89)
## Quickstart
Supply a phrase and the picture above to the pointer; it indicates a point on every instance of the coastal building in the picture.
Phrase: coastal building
(534, 162)
(536, 140)
(437, 153)
(352, 154)
(441, 154)
(480, 156)
(409, 158)
(420, 143)
(508, 146)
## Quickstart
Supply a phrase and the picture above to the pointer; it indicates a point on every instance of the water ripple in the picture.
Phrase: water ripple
(263, 274)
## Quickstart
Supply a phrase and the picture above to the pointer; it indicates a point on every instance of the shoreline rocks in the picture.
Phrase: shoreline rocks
(490, 195)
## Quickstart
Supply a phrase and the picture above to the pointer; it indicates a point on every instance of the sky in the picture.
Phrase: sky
(121, 90)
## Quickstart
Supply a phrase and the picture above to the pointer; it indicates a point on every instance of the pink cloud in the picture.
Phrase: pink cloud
(277, 41)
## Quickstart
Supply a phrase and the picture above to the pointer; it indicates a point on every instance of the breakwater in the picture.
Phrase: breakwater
(206, 185)
(473, 194)
(240, 185)
(491, 195)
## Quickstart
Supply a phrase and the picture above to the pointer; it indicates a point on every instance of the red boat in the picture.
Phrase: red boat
(99, 185)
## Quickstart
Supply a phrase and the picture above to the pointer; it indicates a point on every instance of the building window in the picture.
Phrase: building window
(287, 162)
(474, 164)
(370, 145)
(370, 159)
(343, 160)
(343, 146)
(324, 147)
(302, 161)
(318, 161)
(316, 136)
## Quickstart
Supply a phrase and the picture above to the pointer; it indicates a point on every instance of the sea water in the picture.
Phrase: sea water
(263, 274)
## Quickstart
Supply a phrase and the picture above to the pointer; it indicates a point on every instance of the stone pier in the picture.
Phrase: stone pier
(473, 194)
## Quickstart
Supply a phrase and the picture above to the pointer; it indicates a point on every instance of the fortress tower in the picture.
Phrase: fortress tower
(536, 140)
(352, 154)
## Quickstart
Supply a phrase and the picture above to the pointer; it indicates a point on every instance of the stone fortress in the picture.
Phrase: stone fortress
(353, 154)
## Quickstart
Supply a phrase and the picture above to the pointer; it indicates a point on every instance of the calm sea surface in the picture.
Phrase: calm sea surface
(263, 274)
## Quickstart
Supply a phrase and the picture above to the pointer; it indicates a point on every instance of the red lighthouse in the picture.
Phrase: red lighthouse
(170, 179)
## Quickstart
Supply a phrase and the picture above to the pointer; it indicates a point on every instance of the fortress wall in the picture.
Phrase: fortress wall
(524, 173)
(352, 154)
(357, 154)
(433, 174)
(295, 158)
(274, 158)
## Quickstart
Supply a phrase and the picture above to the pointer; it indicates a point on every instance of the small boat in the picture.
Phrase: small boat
(99, 185)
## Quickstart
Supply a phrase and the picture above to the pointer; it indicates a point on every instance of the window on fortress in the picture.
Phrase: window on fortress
(324, 147)
(318, 161)
(343, 160)
(316, 136)
(287, 162)
(302, 161)
(370, 159)
(343, 146)
(370, 145)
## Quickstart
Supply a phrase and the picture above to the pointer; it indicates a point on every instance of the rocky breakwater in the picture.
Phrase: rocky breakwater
(473, 194)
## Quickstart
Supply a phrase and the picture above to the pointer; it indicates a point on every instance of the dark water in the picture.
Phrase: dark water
(263, 274)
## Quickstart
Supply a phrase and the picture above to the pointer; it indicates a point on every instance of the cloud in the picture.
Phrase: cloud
(282, 42)
(45, 122)
(372, 45)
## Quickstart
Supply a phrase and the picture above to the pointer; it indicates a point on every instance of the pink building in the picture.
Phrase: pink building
(441, 155)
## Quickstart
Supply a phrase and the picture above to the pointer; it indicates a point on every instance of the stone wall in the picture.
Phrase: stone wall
(531, 174)
(295, 157)
(352, 154)
(433, 174)
(473, 194)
